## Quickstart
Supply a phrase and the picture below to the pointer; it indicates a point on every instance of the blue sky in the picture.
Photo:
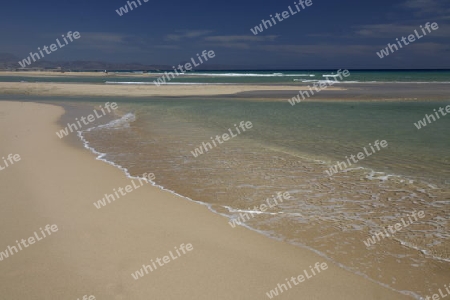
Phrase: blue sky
(328, 34)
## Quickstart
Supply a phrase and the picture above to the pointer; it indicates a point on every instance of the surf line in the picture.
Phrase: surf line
(187, 66)
(343, 166)
(90, 118)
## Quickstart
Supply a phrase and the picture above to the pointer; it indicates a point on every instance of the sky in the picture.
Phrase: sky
(326, 35)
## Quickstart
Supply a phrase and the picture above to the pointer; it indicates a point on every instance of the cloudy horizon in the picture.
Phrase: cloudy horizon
(170, 33)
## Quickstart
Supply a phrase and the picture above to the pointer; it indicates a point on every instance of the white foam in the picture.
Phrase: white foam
(101, 157)
(123, 119)
(250, 75)
(123, 122)
(174, 83)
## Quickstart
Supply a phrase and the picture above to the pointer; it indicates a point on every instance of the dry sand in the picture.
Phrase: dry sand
(85, 89)
(96, 250)
(70, 74)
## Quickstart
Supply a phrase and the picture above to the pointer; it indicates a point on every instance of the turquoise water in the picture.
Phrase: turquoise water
(289, 149)
(333, 130)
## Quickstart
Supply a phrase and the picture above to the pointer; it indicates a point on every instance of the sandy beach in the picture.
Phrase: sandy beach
(380, 91)
(81, 89)
(60, 74)
(95, 251)
(241, 150)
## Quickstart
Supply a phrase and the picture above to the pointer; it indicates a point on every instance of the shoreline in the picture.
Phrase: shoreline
(86, 233)
(83, 89)
(205, 202)
(349, 92)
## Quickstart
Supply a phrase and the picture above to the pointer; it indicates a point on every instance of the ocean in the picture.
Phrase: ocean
(289, 149)
(248, 77)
